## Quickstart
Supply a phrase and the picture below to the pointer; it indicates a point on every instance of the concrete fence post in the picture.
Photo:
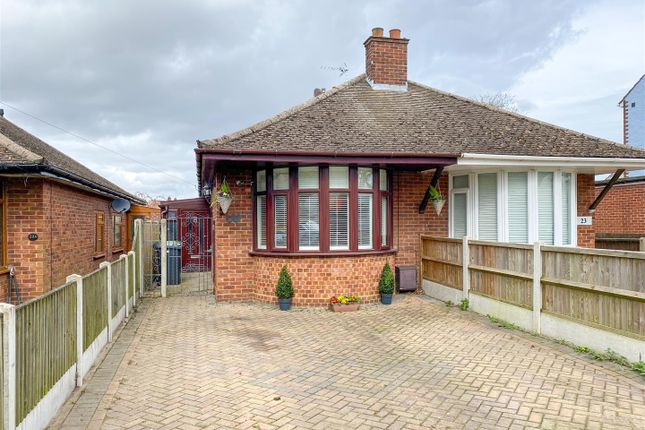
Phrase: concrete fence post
(79, 327)
(108, 268)
(164, 257)
(465, 262)
(138, 232)
(126, 282)
(9, 365)
(641, 244)
(134, 276)
(537, 286)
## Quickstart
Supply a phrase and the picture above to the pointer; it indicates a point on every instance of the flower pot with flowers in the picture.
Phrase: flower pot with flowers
(386, 284)
(437, 199)
(284, 289)
(343, 303)
(224, 197)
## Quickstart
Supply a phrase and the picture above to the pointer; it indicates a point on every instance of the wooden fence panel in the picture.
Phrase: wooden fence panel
(118, 286)
(502, 271)
(95, 313)
(45, 345)
(441, 261)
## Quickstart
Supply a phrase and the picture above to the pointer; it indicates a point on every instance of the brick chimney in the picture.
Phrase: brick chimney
(386, 60)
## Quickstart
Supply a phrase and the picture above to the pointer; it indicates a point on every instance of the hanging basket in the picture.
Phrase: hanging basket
(224, 202)
(438, 205)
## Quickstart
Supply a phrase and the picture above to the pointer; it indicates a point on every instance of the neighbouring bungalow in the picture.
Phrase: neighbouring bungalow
(55, 214)
(339, 185)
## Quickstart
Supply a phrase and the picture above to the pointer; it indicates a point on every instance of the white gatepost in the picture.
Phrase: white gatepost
(126, 281)
(108, 267)
(134, 277)
(465, 262)
(79, 327)
(537, 286)
(164, 257)
(9, 365)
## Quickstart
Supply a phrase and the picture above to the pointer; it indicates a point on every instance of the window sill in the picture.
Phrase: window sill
(4, 270)
(117, 250)
(262, 253)
(99, 256)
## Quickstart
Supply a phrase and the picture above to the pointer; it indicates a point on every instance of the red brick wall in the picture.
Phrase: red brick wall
(586, 196)
(386, 60)
(622, 210)
(64, 219)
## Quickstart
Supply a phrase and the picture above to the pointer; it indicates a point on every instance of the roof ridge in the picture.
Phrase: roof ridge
(281, 116)
(19, 150)
(524, 117)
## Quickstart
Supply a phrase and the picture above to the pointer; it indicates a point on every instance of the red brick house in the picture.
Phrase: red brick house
(55, 215)
(338, 185)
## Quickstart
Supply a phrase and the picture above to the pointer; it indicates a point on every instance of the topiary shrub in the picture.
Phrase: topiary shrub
(386, 283)
(284, 288)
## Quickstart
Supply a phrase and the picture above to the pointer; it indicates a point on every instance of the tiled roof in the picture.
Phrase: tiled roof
(354, 118)
(20, 148)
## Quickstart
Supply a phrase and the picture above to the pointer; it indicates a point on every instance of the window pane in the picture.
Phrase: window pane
(280, 221)
(261, 220)
(339, 221)
(518, 213)
(460, 215)
(383, 179)
(261, 181)
(383, 221)
(545, 207)
(487, 206)
(116, 233)
(308, 228)
(460, 181)
(566, 208)
(308, 177)
(365, 221)
(365, 180)
(281, 178)
(338, 177)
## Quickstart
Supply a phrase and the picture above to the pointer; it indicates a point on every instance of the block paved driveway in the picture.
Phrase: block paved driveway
(185, 362)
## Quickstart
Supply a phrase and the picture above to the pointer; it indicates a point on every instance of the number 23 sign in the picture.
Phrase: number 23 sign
(584, 220)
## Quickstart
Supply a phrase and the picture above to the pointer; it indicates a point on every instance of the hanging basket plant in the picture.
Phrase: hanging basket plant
(437, 199)
(224, 197)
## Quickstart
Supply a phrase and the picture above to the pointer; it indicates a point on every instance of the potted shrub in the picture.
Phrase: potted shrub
(343, 303)
(437, 199)
(224, 197)
(284, 289)
(386, 284)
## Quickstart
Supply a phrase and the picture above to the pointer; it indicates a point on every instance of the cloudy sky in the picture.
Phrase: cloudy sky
(147, 78)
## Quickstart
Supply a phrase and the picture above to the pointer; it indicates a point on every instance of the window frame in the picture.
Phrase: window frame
(99, 252)
(117, 247)
(324, 191)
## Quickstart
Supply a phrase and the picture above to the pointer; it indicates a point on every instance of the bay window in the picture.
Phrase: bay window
(322, 209)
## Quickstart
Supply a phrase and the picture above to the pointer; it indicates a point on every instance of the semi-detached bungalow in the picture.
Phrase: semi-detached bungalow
(337, 186)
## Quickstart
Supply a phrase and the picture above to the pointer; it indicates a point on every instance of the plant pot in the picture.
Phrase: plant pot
(438, 205)
(339, 307)
(224, 203)
(285, 304)
(386, 299)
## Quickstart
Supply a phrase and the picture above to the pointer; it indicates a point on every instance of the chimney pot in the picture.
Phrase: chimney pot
(395, 33)
(318, 91)
(377, 32)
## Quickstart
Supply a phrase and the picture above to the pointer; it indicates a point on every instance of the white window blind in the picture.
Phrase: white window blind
(308, 224)
(338, 177)
(566, 208)
(384, 221)
(460, 215)
(518, 211)
(364, 221)
(365, 179)
(545, 207)
(308, 177)
(383, 179)
(281, 178)
(261, 220)
(280, 221)
(261, 181)
(487, 205)
(338, 221)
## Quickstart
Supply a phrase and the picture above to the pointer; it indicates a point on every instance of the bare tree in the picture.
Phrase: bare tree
(501, 100)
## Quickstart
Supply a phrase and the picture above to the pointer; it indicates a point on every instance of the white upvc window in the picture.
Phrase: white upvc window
(459, 206)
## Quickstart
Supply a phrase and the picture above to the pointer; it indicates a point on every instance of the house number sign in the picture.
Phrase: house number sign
(584, 220)
(32, 236)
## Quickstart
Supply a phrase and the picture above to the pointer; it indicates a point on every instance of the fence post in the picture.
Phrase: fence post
(537, 286)
(79, 327)
(465, 262)
(641, 243)
(108, 268)
(164, 257)
(138, 234)
(126, 281)
(134, 276)
(9, 364)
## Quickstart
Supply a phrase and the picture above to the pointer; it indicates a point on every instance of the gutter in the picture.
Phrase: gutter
(470, 159)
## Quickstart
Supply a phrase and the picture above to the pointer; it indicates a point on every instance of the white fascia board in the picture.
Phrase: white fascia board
(490, 160)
